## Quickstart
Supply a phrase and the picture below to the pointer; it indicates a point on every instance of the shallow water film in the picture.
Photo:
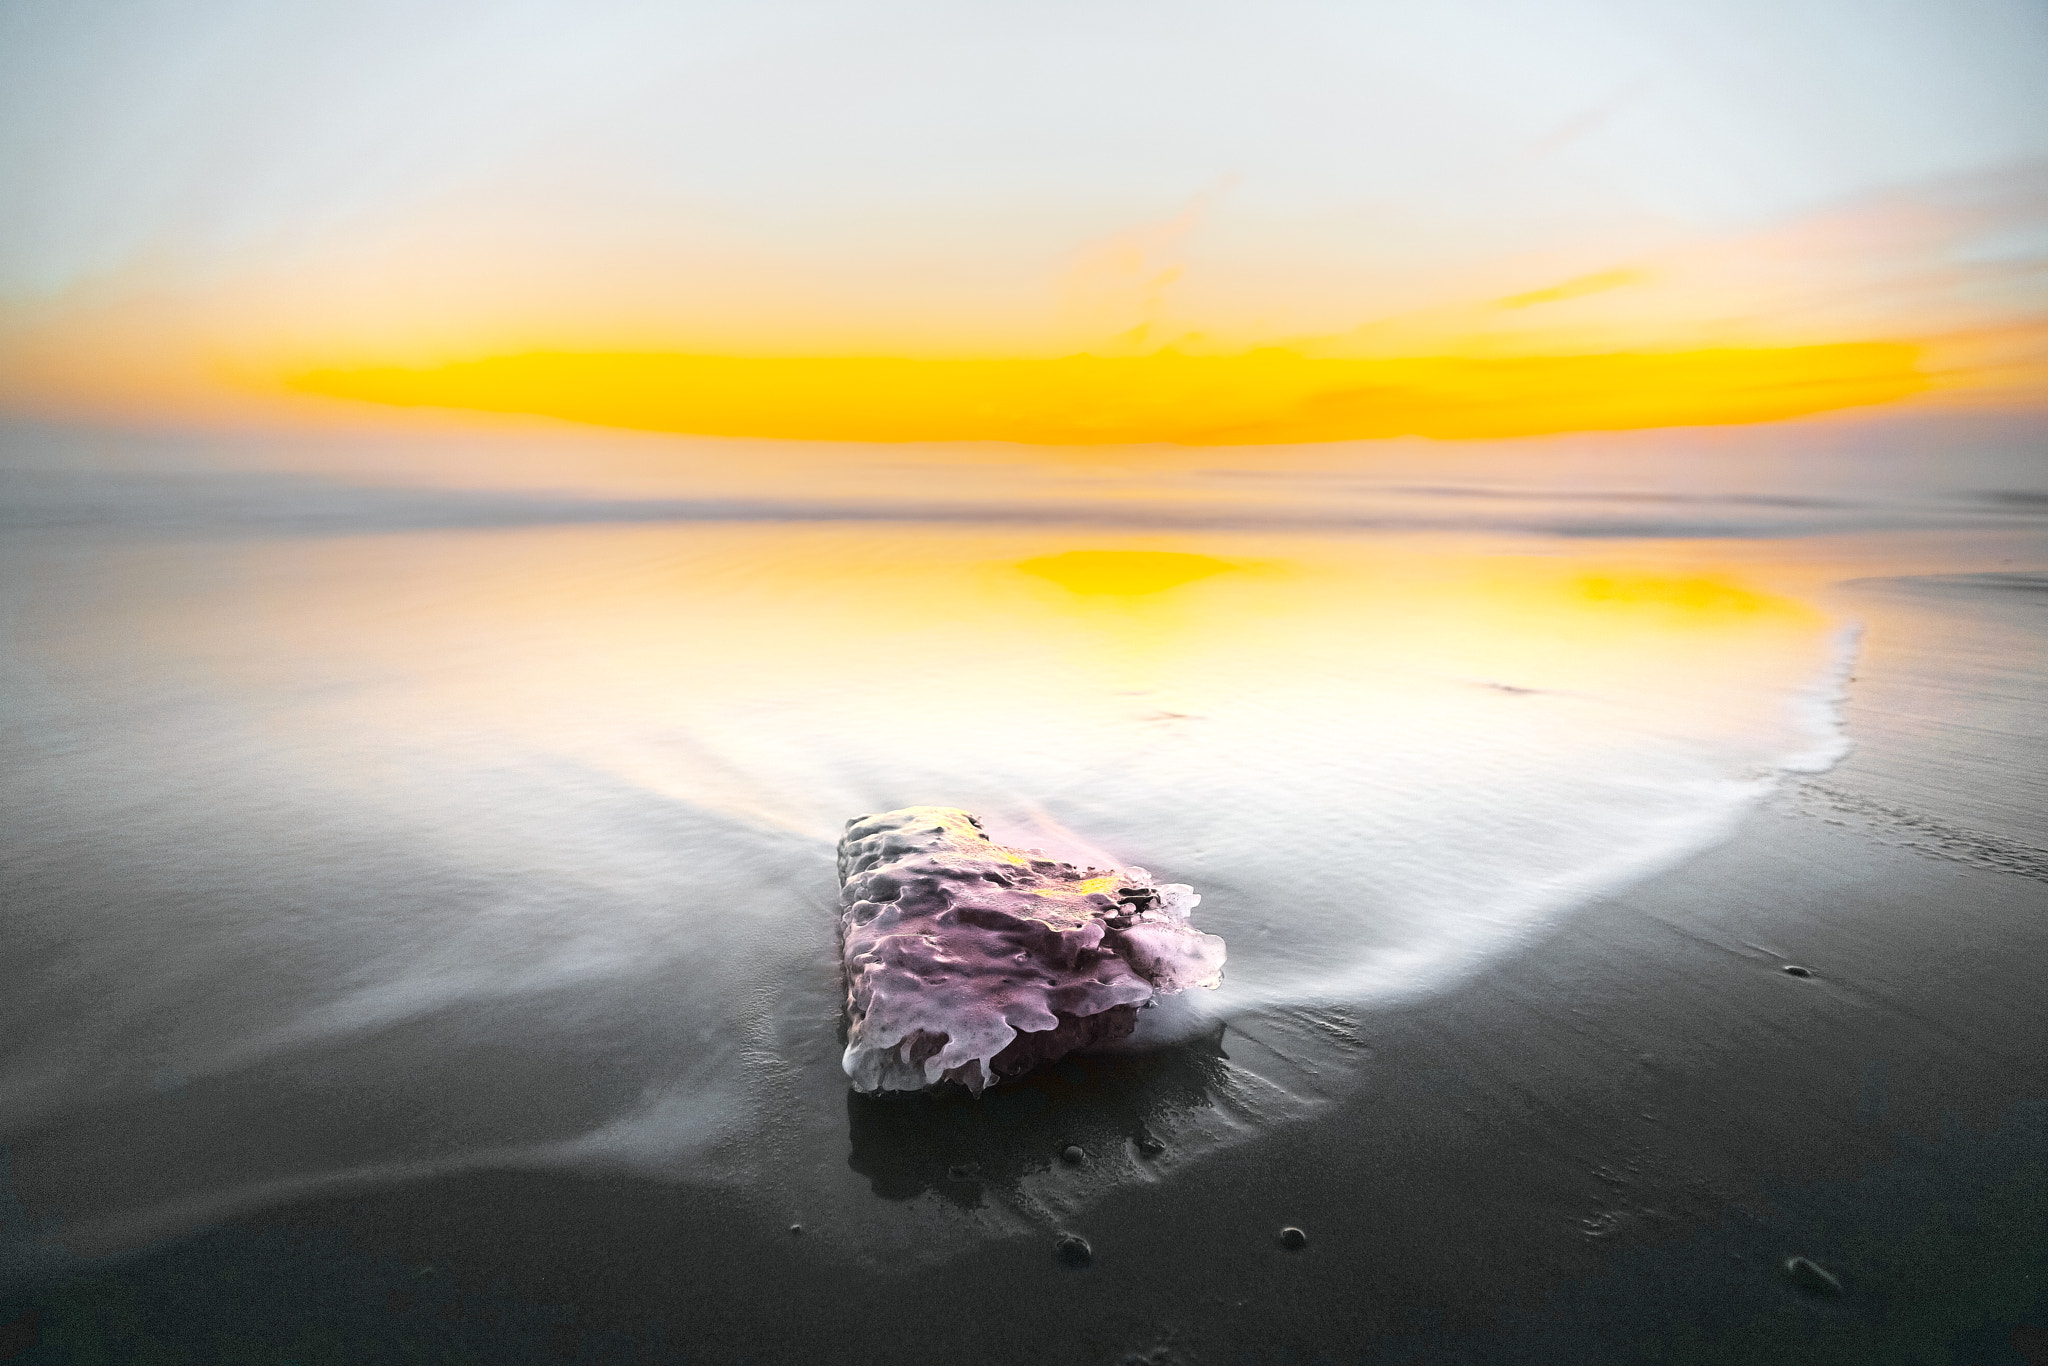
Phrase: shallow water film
(460, 828)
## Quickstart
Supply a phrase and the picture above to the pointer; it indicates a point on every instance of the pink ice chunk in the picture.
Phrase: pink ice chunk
(969, 962)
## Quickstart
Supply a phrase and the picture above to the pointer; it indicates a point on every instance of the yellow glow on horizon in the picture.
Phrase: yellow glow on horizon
(1266, 396)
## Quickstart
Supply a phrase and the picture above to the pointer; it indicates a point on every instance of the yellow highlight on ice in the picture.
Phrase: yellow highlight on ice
(1257, 398)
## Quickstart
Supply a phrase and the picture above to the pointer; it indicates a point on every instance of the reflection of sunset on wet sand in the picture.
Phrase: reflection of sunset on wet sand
(1209, 691)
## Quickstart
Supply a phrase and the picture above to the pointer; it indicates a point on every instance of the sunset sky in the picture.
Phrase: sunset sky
(1060, 223)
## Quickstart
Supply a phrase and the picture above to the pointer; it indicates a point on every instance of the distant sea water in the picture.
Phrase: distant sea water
(361, 827)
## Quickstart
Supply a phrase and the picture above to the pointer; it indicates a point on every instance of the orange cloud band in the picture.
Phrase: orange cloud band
(1261, 397)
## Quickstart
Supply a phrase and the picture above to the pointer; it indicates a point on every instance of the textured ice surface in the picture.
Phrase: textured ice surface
(970, 962)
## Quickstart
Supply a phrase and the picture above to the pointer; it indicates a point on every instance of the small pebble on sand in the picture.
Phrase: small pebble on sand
(1072, 1155)
(1293, 1239)
(1073, 1250)
(1794, 970)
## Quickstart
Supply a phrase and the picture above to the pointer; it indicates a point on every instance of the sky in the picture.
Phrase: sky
(1060, 223)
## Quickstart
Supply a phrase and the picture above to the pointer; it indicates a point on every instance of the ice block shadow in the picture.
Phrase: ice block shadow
(1114, 1107)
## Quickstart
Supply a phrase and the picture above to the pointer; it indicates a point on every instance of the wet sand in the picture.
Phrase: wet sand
(1602, 1149)
(1603, 1146)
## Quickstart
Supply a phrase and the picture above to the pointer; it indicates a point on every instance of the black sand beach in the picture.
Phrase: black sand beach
(1604, 1151)
(1823, 1038)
